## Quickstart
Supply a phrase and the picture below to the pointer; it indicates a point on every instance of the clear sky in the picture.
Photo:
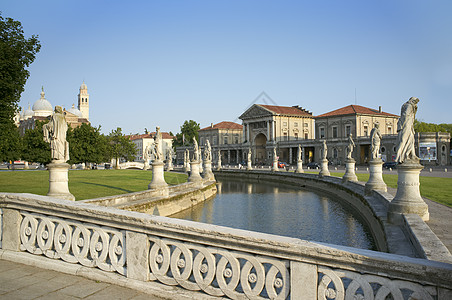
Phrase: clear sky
(158, 63)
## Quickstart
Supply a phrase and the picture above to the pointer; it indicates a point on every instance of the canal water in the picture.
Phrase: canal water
(281, 210)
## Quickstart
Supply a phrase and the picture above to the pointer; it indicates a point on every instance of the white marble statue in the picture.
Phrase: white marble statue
(274, 154)
(324, 150)
(146, 154)
(158, 153)
(350, 146)
(219, 157)
(249, 155)
(195, 150)
(299, 153)
(208, 151)
(375, 138)
(55, 134)
(169, 154)
(405, 129)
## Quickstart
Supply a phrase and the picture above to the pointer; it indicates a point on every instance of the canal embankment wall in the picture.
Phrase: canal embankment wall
(414, 238)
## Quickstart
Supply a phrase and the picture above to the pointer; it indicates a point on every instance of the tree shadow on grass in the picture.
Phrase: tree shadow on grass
(108, 186)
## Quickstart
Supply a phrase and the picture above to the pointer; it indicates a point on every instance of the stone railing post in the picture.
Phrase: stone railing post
(303, 280)
(349, 171)
(137, 245)
(11, 229)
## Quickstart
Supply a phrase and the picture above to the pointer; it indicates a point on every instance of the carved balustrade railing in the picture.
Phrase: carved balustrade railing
(211, 260)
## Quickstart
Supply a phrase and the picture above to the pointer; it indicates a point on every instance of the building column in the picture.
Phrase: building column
(229, 157)
(269, 124)
(290, 155)
(237, 155)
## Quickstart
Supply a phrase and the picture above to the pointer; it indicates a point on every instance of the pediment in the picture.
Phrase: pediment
(255, 111)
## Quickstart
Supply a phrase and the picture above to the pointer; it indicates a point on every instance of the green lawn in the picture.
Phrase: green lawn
(85, 184)
(88, 184)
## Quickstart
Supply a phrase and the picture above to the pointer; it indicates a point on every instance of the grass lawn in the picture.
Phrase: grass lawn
(85, 184)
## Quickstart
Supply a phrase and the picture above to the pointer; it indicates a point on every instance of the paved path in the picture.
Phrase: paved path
(18, 281)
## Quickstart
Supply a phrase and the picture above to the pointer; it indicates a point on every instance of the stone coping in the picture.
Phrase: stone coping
(285, 248)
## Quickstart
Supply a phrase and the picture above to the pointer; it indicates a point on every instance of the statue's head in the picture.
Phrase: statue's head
(414, 100)
(58, 109)
(377, 125)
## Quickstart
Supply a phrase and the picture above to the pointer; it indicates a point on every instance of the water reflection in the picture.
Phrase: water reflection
(284, 211)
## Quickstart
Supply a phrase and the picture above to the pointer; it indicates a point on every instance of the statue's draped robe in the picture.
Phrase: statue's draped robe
(55, 134)
(405, 129)
(375, 138)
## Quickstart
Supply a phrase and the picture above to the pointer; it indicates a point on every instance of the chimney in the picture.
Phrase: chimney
(379, 109)
(211, 125)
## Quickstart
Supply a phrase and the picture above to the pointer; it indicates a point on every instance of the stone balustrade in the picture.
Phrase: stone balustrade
(188, 259)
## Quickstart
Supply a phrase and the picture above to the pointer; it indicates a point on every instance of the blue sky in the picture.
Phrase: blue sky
(158, 63)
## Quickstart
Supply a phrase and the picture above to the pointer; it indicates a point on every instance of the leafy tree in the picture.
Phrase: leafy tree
(16, 53)
(34, 147)
(120, 146)
(187, 131)
(420, 126)
(87, 145)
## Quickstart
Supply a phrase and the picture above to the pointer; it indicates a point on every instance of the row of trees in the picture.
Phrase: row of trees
(420, 126)
(86, 145)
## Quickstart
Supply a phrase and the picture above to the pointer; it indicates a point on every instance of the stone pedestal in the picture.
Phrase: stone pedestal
(58, 181)
(375, 181)
(248, 166)
(194, 173)
(208, 174)
(324, 168)
(158, 179)
(275, 166)
(200, 169)
(299, 167)
(349, 171)
(26, 167)
(146, 165)
(408, 198)
(187, 167)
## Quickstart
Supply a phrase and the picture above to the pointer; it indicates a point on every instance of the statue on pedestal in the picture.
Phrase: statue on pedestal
(375, 137)
(55, 134)
(249, 155)
(195, 150)
(350, 146)
(299, 153)
(274, 154)
(405, 130)
(324, 150)
(158, 153)
(208, 152)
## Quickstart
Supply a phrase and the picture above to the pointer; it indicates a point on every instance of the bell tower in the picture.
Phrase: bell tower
(83, 101)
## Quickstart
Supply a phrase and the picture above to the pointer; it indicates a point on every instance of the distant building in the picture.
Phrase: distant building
(266, 127)
(336, 125)
(142, 141)
(42, 110)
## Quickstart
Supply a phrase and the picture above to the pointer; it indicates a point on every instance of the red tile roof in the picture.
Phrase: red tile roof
(355, 110)
(224, 125)
(287, 110)
(165, 136)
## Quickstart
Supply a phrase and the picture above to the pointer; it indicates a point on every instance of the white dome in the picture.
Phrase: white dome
(42, 107)
(28, 113)
(73, 110)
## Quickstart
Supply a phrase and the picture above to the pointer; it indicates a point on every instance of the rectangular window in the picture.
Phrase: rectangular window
(225, 140)
(285, 136)
(322, 132)
(334, 131)
(236, 139)
(306, 136)
(295, 124)
(214, 140)
(389, 130)
(366, 130)
(296, 135)
(284, 123)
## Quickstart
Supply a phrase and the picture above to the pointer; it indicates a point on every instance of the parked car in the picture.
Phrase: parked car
(282, 164)
(313, 165)
(390, 165)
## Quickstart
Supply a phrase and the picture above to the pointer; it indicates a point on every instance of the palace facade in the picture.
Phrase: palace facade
(266, 127)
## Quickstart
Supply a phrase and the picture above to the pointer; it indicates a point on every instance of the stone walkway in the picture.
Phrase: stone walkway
(18, 281)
